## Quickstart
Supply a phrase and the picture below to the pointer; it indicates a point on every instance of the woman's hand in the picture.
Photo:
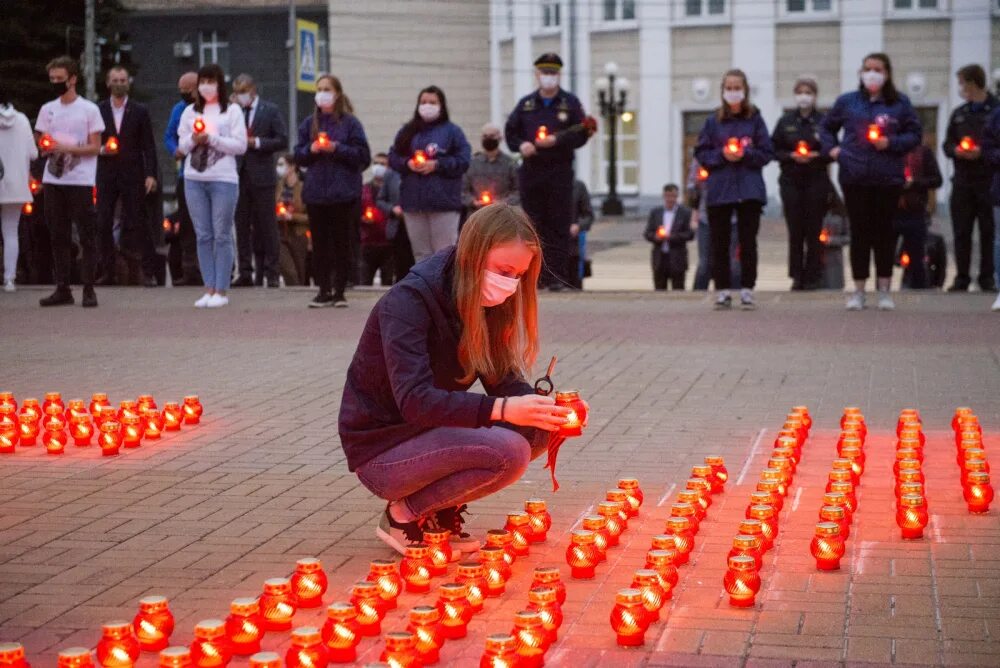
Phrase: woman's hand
(834, 153)
(882, 143)
(532, 410)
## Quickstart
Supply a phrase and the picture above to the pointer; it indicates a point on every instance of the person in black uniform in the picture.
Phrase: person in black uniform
(545, 128)
(970, 185)
(804, 185)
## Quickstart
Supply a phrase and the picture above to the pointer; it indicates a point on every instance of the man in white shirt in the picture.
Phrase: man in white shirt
(69, 130)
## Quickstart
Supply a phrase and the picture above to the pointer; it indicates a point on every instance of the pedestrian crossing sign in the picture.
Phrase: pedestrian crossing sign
(306, 55)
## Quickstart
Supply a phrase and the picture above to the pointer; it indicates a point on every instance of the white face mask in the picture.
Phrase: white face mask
(209, 91)
(281, 169)
(548, 81)
(805, 100)
(325, 99)
(733, 96)
(498, 288)
(378, 171)
(243, 99)
(429, 112)
(872, 80)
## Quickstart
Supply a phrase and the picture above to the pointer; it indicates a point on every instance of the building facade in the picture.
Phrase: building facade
(673, 52)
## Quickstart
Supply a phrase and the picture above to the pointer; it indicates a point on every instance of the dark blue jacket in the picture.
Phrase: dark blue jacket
(441, 190)
(402, 380)
(531, 113)
(860, 162)
(741, 181)
(333, 178)
(991, 152)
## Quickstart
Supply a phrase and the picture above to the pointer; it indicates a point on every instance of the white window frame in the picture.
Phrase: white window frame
(704, 19)
(620, 165)
(917, 12)
(809, 14)
(619, 12)
(538, 18)
(212, 46)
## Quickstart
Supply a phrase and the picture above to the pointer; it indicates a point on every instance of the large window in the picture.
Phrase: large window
(803, 7)
(213, 47)
(619, 10)
(550, 13)
(914, 4)
(695, 8)
(627, 159)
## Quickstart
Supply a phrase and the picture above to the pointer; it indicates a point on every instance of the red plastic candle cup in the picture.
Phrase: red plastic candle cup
(541, 133)
(749, 546)
(503, 539)
(12, 655)
(365, 598)
(693, 498)
(153, 624)
(30, 406)
(118, 647)
(874, 133)
(629, 619)
(974, 454)
(176, 657)
(265, 660)
(541, 521)
(152, 421)
(784, 465)
(599, 525)
(132, 431)
(82, 430)
(663, 541)
(680, 529)
(837, 515)
(582, 555)
(774, 475)
(545, 601)
(98, 400)
(519, 526)
(978, 493)
(425, 625)
(912, 516)
(53, 399)
(209, 647)
(960, 412)
(967, 144)
(244, 626)
(771, 488)
(473, 575)
(55, 441)
(420, 158)
(309, 583)
(654, 596)
(686, 510)
(530, 638)
(72, 657)
(385, 573)
(277, 604)
(192, 409)
(323, 139)
(46, 142)
(720, 475)
(306, 649)
(7, 403)
(573, 426)
(496, 569)
(850, 499)
(664, 563)
(416, 568)
(199, 125)
(401, 650)
(500, 651)
(27, 429)
(144, 401)
(127, 408)
(549, 576)
(172, 416)
(702, 174)
(634, 492)
(620, 497)
(769, 522)
(341, 633)
(485, 198)
(609, 511)
(802, 148)
(456, 612)
(733, 145)
(8, 436)
(827, 546)
(741, 582)
(110, 439)
(787, 453)
(111, 146)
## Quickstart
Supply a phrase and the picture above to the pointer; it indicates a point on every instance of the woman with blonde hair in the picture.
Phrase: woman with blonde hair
(411, 430)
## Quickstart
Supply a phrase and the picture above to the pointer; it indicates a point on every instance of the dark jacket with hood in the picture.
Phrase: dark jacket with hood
(403, 378)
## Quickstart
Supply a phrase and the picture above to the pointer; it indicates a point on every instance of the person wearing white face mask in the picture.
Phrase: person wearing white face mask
(804, 184)
(412, 431)
(879, 128)
(293, 223)
(212, 133)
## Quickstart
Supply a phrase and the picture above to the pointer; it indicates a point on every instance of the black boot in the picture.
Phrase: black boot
(62, 296)
(89, 297)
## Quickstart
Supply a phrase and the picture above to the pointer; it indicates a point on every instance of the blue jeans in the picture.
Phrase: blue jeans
(996, 247)
(448, 466)
(212, 205)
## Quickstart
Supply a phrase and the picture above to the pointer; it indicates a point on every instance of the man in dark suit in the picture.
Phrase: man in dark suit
(669, 230)
(126, 173)
(256, 224)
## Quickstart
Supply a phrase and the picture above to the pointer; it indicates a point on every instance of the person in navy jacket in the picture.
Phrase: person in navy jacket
(879, 128)
(734, 146)
(431, 154)
(333, 147)
(991, 152)
(411, 430)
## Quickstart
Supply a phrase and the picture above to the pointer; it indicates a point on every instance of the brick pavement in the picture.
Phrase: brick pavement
(208, 514)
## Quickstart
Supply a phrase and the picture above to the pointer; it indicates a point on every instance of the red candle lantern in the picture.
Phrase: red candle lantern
(634, 492)
(804, 415)
(789, 454)
(609, 511)
(496, 569)
(599, 525)
(132, 431)
(837, 515)
(456, 612)
(530, 638)
(12, 655)
(82, 430)
(663, 562)
(772, 487)
(439, 549)
(910, 488)
(846, 465)
(199, 125)
(153, 624)
(693, 498)
(619, 497)
(54, 418)
(175, 657)
(127, 408)
(416, 568)
(827, 546)
(323, 138)
(309, 583)
(974, 454)
(401, 650)
(733, 145)
(31, 407)
(545, 601)
(680, 529)
(978, 493)
(573, 426)
(686, 510)
(420, 158)
(654, 596)
(117, 647)
(55, 441)
(847, 489)
(720, 475)
(192, 409)
(795, 424)
(742, 582)
(784, 465)
(8, 435)
(903, 454)
(874, 133)
(98, 400)
(973, 466)
(629, 618)
(365, 598)
(425, 626)
(776, 476)
(277, 604)
(385, 574)
(7, 402)
(105, 414)
(341, 633)
(111, 146)
(549, 576)
(912, 516)
(960, 412)
(73, 657)
(967, 444)
(704, 472)
(582, 555)
(802, 148)
(172, 416)
(851, 413)
(485, 198)
(144, 401)
(541, 521)
(27, 429)
(519, 526)
(769, 522)
(755, 529)
(749, 546)
(152, 422)
(967, 144)
(472, 574)
(702, 174)
(306, 649)
(209, 647)
(840, 475)
(501, 538)
(500, 652)
(53, 399)
(244, 626)
(541, 133)
(111, 438)
(663, 541)
(265, 660)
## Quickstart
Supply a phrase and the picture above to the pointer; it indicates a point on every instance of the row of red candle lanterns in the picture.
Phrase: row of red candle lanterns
(759, 529)
(56, 422)
(975, 468)
(911, 501)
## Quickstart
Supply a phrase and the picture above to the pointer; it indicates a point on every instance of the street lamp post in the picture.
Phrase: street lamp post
(611, 95)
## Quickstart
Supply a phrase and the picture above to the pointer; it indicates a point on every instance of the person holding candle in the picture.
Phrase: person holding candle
(431, 155)
(879, 128)
(17, 150)
(412, 432)
(333, 148)
(212, 133)
(293, 223)
(991, 150)
(387, 199)
(669, 230)
(970, 199)
(912, 219)
(804, 184)
(492, 175)
(378, 227)
(734, 146)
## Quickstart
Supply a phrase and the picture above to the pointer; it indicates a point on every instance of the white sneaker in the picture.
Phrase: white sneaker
(8, 286)
(856, 302)
(217, 301)
(885, 302)
(996, 304)
(203, 302)
(746, 299)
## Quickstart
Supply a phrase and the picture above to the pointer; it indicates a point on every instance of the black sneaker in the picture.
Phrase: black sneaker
(959, 286)
(321, 300)
(398, 535)
(987, 285)
(452, 520)
(339, 301)
(243, 282)
(61, 297)
(89, 297)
